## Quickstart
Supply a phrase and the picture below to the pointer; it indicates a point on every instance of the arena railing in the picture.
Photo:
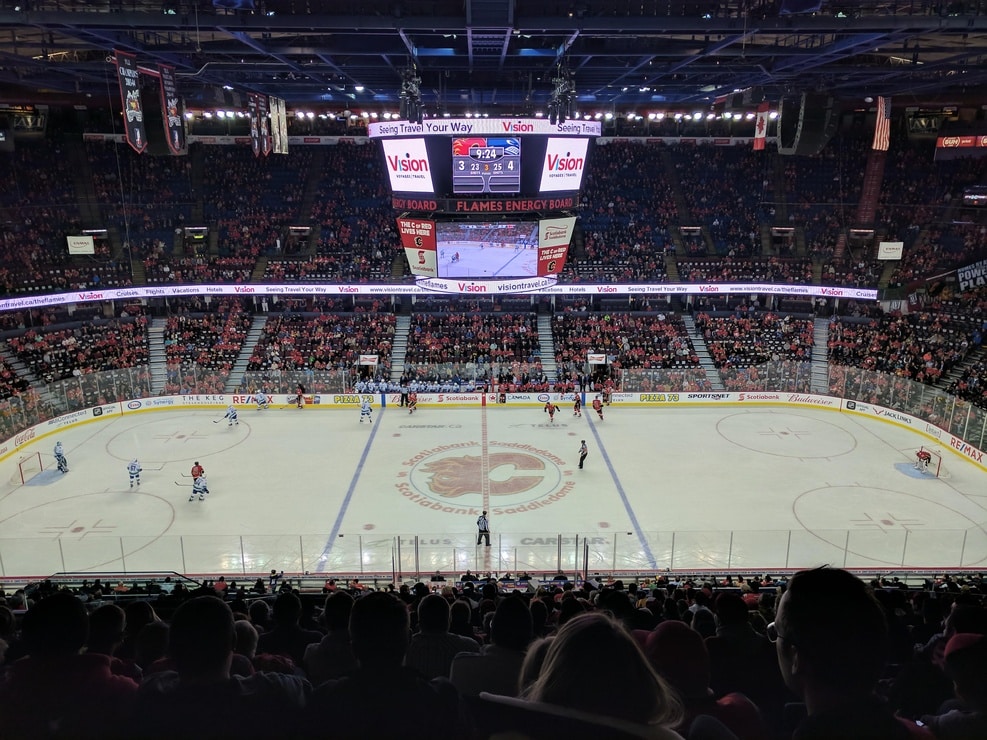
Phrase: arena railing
(407, 556)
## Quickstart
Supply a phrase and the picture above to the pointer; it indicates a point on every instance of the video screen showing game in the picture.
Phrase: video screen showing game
(477, 250)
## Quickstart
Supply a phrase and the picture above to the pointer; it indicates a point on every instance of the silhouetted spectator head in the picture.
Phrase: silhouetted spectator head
(678, 653)
(380, 629)
(593, 662)
(534, 659)
(336, 613)
(511, 626)
(966, 656)
(433, 614)
(287, 609)
(246, 638)
(831, 633)
(56, 625)
(260, 614)
(151, 644)
(731, 609)
(106, 629)
(139, 613)
(202, 637)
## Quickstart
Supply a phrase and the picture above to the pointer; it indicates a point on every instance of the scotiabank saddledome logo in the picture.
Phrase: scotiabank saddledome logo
(455, 478)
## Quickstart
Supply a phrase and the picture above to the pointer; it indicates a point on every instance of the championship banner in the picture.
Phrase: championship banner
(418, 240)
(265, 125)
(130, 96)
(554, 237)
(173, 111)
(279, 126)
(370, 360)
(254, 123)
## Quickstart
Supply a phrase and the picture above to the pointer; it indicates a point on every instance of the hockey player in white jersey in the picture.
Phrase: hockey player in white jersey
(365, 411)
(199, 488)
(59, 452)
(134, 468)
(231, 416)
(262, 400)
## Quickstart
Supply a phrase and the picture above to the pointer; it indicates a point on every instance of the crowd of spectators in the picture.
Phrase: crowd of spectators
(478, 339)
(62, 352)
(919, 346)
(160, 267)
(860, 273)
(322, 342)
(820, 654)
(759, 270)
(631, 340)
(201, 348)
(746, 338)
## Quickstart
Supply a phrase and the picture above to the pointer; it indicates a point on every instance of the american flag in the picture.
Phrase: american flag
(882, 130)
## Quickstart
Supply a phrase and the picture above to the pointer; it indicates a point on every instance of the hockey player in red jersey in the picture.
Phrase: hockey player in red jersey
(598, 407)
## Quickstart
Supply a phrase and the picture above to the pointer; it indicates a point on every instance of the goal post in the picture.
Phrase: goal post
(935, 466)
(28, 465)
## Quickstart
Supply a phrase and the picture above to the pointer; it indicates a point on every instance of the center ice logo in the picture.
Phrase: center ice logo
(451, 477)
(455, 478)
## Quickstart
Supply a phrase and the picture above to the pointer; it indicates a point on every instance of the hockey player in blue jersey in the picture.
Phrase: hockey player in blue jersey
(365, 411)
(134, 468)
(262, 400)
(199, 488)
(231, 416)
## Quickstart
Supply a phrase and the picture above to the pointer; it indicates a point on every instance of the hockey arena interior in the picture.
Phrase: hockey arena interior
(484, 368)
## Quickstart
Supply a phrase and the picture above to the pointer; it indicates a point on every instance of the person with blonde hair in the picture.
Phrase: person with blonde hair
(594, 665)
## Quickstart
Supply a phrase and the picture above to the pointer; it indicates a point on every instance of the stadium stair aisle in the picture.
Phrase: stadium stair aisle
(960, 369)
(399, 350)
(702, 352)
(820, 356)
(547, 347)
(240, 366)
(158, 360)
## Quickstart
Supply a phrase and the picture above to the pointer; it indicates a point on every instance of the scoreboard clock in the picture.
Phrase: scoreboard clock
(486, 164)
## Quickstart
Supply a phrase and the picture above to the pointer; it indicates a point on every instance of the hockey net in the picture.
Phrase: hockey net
(935, 466)
(28, 466)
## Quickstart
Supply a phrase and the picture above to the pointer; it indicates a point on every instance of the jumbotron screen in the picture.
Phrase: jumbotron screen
(486, 164)
(489, 250)
(477, 249)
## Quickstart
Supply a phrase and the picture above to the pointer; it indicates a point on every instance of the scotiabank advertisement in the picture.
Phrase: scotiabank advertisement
(554, 236)
(418, 240)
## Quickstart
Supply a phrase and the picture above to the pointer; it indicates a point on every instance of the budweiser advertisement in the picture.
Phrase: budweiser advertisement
(418, 240)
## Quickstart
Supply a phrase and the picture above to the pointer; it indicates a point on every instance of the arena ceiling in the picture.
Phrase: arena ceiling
(500, 56)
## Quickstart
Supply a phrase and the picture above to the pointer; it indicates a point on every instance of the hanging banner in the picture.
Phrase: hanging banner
(254, 123)
(279, 126)
(173, 111)
(130, 97)
(265, 125)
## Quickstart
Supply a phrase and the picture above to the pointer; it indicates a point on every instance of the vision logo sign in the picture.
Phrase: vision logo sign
(455, 478)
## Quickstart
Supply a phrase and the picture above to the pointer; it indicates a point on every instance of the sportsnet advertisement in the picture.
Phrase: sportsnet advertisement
(418, 240)
(407, 166)
(554, 236)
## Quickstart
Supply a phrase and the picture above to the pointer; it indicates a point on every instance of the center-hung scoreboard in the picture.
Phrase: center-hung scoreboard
(485, 198)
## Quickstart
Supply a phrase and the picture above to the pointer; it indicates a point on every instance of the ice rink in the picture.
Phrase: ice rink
(315, 490)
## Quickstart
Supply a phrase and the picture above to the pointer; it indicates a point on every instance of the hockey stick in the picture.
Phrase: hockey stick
(216, 421)
(183, 485)
(186, 475)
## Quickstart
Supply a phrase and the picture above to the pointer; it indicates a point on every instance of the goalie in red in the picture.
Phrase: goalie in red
(922, 459)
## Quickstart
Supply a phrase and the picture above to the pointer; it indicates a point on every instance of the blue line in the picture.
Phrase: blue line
(623, 495)
(321, 567)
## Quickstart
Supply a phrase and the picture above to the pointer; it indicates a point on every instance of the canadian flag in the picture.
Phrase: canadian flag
(760, 126)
